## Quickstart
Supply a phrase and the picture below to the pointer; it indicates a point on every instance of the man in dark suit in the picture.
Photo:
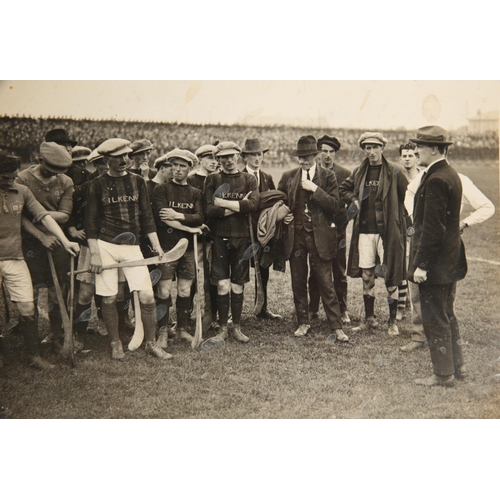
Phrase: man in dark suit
(313, 200)
(328, 147)
(437, 255)
(253, 156)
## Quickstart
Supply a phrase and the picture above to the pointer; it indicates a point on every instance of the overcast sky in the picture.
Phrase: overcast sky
(364, 104)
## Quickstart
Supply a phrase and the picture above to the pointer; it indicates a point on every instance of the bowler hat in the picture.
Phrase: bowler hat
(253, 146)
(306, 146)
(59, 136)
(431, 135)
(329, 141)
(372, 138)
(141, 145)
(183, 154)
(9, 164)
(80, 153)
(114, 147)
(56, 157)
(227, 148)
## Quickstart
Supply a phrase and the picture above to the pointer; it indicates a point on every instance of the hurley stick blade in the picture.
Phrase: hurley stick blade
(138, 336)
(259, 295)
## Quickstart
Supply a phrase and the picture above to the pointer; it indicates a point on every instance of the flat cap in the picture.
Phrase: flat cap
(329, 140)
(79, 153)
(114, 147)
(9, 164)
(94, 155)
(162, 160)
(56, 157)
(184, 154)
(372, 138)
(227, 148)
(141, 145)
(206, 150)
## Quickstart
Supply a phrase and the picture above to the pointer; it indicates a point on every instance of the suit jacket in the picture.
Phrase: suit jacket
(436, 246)
(265, 180)
(323, 205)
(341, 219)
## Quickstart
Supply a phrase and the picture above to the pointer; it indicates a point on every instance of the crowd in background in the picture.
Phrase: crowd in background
(22, 136)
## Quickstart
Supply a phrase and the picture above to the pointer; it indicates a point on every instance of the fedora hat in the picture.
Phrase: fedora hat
(306, 146)
(253, 146)
(59, 136)
(329, 141)
(432, 135)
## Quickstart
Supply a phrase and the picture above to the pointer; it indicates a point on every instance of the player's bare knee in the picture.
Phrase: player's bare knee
(223, 287)
(184, 287)
(85, 293)
(236, 288)
(164, 287)
(146, 296)
(111, 299)
(26, 308)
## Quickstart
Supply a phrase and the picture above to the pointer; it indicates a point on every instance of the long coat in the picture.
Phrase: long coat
(323, 205)
(436, 246)
(390, 216)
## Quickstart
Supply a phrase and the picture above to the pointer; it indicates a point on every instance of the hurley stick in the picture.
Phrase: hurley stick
(259, 297)
(198, 333)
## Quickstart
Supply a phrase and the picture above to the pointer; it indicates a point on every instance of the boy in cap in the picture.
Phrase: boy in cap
(376, 189)
(54, 190)
(253, 156)
(437, 255)
(140, 155)
(13, 269)
(230, 195)
(118, 210)
(313, 200)
(178, 209)
(328, 147)
(78, 172)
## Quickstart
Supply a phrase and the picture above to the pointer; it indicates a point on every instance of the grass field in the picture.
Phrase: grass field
(278, 376)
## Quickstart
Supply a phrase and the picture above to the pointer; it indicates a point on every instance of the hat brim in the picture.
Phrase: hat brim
(119, 152)
(257, 151)
(55, 170)
(373, 142)
(227, 152)
(304, 153)
(149, 148)
(431, 143)
(80, 158)
(185, 158)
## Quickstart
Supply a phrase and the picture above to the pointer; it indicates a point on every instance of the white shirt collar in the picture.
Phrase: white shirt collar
(312, 171)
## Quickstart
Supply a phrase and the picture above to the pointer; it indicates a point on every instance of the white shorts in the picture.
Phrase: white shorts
(106, 282)
(369, 246)
(84, 263)
(17, 278)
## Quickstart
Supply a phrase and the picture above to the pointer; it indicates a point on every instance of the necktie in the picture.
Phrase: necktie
(308, 176)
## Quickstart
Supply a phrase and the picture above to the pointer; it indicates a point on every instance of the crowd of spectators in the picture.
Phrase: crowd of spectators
(23, 136)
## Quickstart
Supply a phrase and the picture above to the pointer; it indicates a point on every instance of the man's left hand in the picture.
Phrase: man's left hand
(419, 276)
(309, 186)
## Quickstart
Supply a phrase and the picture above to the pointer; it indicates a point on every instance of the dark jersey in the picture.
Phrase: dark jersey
(184, 199)
(197, 181)
(367, 217)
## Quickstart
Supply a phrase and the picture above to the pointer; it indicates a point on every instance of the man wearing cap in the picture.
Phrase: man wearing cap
(164, 173)
(54, 190)
(313, 200)
(208, 165)
(118, 209)
(141, 152)
(230, 195)
(328, 147)
(61, 137)
(376, 191)
(13, 269)
(78, 172)
(253, 156)
(178, 209)
(437, 254)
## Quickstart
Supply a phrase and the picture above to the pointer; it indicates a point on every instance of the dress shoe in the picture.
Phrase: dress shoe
(412, 346)
(183, 334)
(341, 336)
(302, 330)
(345, 318)
(436, 380)
(264, 314)
(393, 330)
(238, 335)
(461, 372)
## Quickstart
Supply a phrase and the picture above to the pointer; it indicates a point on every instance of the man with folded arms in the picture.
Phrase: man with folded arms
(118, 209)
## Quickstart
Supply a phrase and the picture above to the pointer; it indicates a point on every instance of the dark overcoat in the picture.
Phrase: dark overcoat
(436, 246)
(323, 205)
(390, 216)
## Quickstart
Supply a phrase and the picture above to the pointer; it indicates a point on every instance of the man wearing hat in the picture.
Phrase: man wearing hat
(164, 173)
(141, 152)
(13, 269)
(328, 147)
(208, 165)
(61, 137)
(376, 191)
(54, 190)
(437, 254)
(313, 200)
(253, 156)
(230, 195)
(178, 209)
(78, 172)
(118, 210)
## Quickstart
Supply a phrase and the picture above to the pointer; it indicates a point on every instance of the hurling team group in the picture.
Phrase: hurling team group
(100, 209)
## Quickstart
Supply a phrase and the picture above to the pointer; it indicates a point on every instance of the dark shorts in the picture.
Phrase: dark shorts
(229, 260)
(184, 268)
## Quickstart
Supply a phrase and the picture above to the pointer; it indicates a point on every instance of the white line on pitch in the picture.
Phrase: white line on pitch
(478, 259)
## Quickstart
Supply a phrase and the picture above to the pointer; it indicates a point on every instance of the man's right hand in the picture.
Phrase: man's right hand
(95, 263)
(50, 242)
(288, 218)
